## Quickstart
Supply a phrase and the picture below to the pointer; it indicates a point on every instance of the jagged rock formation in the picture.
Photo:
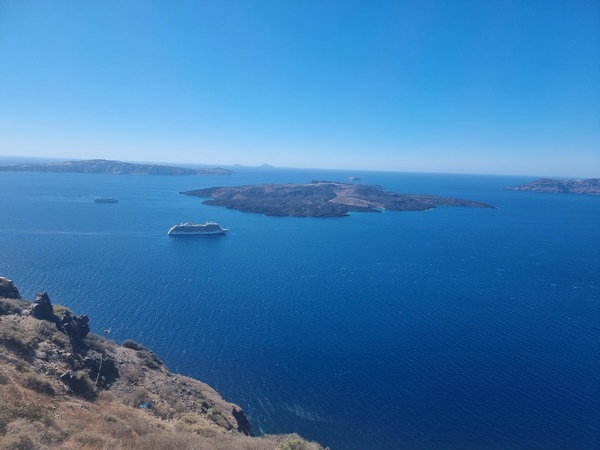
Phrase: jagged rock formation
(62, 387)
(42, 308)
(8, 289)
(590, 186)
(74, 326)
(114, 167)
(321, 199)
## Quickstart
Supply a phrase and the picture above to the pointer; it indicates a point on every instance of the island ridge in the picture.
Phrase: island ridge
(321, 199)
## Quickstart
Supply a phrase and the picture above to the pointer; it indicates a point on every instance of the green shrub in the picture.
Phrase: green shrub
(292, 444)
(48, 331)
(130, 343)
(217, 418)
(16, 338)
(60, 311)
(295, 442)
(12, 306)
(204, 405)
(149, 359)
(99, 343)
(79, 383)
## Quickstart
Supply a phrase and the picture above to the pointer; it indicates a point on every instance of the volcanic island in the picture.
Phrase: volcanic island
(591, 186)
(321, 199)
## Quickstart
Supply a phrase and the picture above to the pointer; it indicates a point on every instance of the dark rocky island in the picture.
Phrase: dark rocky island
(63, 387)
(590, 186)
(114, 167)
(321, 199)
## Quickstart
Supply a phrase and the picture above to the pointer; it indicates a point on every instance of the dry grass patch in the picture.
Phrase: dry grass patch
(100, 344)
(12, 306)
(17, 337)
(38, 384)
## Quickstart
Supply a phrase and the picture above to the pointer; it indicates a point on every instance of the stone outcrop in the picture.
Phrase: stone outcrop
(74, 326)
(243, 424)
(8, 289)
(42, 308)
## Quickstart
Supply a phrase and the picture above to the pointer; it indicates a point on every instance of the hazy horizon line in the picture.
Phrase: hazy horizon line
(266, 165)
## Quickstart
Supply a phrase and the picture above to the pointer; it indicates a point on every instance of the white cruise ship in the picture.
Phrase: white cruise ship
(189, 228)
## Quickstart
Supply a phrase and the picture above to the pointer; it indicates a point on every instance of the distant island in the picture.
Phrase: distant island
(114, 167)
(321, 199)
(589, 186)
(262, 166)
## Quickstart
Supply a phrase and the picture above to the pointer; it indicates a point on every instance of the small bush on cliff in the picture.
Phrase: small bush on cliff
(17, 338)
(130, 343)
(37, 384)
(79, 383)
(60, 311)
(100, 344)
(147, 357)
(20, 442)
(12, 306)
(193, 423)
(217, 418)
(294, 443)
(48, 331)
(11, 411)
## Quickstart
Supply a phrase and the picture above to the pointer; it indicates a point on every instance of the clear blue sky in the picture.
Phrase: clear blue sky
(494, 86)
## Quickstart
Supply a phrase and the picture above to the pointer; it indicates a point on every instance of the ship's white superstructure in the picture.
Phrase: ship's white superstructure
(189, 228)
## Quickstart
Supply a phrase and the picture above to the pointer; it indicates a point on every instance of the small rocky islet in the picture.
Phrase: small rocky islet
(321, 199)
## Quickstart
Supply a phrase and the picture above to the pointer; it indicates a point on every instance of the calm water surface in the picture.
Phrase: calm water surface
(455, 328)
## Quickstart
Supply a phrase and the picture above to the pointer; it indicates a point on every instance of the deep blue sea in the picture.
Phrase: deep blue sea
(455, 328)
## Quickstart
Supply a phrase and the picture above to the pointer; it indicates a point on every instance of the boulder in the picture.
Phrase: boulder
(243, 424)
(8, 289)
(79, 384)
(74, 326)
(101, 368)
(42, 308)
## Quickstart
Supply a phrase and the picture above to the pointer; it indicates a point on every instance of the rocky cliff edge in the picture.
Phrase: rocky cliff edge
(64, 387)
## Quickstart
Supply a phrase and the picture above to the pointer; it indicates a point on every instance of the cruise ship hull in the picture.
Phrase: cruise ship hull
(190, 229)
(194, 233)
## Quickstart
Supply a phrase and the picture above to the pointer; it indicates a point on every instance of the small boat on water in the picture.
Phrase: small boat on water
(191, 229)
(105, 200)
